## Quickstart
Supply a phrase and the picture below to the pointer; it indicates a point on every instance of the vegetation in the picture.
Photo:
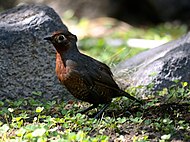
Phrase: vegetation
(157, 120)
(113, 48)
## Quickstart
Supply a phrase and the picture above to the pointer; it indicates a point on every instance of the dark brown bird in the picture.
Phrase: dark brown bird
(85, 78)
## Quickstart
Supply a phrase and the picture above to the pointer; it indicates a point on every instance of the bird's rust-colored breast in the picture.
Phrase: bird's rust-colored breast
(60, 68)
(71, 79)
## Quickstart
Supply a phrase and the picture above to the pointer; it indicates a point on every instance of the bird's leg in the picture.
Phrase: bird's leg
(89, 108)
(101, 111)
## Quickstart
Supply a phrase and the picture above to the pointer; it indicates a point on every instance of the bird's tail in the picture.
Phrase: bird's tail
(123, 93)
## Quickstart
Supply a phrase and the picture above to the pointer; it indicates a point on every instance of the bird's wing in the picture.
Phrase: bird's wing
(105, 76)
(97, 72)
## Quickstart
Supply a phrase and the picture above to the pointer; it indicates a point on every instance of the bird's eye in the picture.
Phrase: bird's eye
(61, 38)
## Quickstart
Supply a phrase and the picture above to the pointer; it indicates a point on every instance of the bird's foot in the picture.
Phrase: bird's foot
(101, 111)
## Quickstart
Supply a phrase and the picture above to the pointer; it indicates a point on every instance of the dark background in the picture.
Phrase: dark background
(134, 12)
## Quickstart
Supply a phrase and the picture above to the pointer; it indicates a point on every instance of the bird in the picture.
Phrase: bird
(86, 78)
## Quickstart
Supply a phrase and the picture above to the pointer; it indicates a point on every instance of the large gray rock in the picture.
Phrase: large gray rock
(27, 62)
(160, 66)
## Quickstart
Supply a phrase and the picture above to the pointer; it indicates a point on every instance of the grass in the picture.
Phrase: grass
(113, 48)
(41, 120)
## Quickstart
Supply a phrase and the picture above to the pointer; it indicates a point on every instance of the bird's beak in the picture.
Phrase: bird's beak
(47, 38)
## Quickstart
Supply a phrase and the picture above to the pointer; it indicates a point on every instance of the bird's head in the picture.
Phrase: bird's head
(62, 40)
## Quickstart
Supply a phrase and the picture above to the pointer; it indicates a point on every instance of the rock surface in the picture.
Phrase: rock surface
(27, 62)
(161, 66)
